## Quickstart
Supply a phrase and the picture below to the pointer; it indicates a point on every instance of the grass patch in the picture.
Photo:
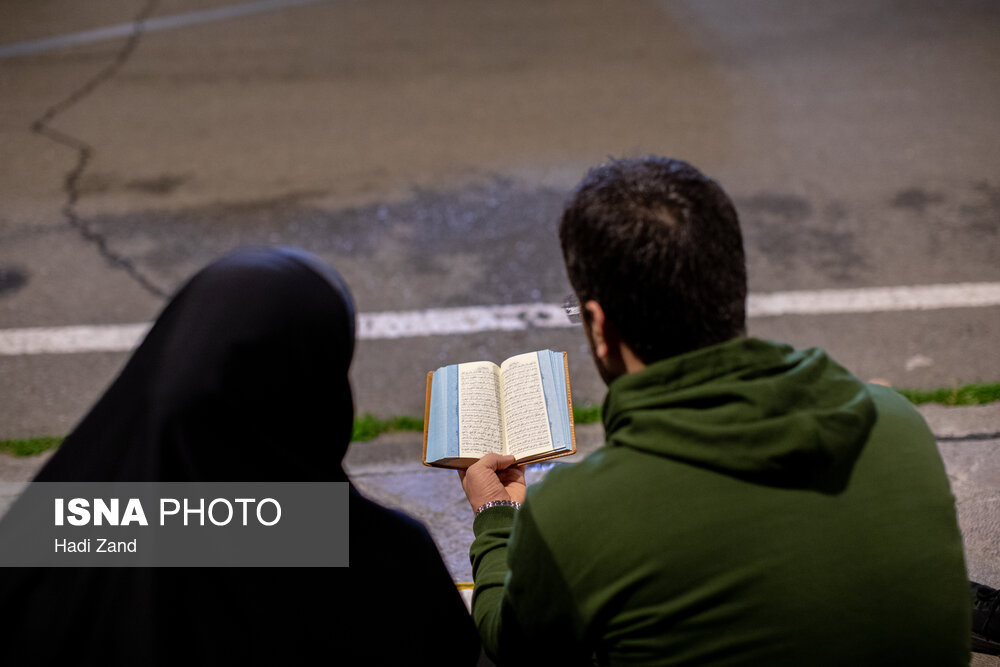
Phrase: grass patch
(586, 414)
(368, 426)
(29, 446)
(970, 394)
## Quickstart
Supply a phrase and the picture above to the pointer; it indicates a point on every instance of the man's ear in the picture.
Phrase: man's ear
(601, 332)
(611, 354)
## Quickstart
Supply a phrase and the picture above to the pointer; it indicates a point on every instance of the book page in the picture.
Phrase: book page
(480, 428)
(525, 416)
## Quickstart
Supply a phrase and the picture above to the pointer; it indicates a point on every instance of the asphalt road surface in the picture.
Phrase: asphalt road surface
(425, 149)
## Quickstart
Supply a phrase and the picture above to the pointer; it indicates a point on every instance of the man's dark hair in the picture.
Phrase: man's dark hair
(658, 245)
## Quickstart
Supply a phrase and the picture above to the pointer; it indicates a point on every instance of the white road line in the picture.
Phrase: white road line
(874, 299)
(68, 340)
(149, 25)
(518, 317)
(452, 321)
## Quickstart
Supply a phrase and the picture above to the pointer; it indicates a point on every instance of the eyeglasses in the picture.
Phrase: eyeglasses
(572, 307)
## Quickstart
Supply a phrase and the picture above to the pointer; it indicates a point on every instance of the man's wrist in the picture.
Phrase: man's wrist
(497, 503)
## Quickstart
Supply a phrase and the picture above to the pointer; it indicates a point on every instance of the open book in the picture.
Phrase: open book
(521, 407)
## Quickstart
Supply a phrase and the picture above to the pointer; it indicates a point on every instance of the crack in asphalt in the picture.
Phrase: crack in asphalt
(43, 127)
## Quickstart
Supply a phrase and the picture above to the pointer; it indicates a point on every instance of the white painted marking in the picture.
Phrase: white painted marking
(451, 321)
(67, 340)
(874, 299)
(149, 25)
(519, 317)
(918, 361)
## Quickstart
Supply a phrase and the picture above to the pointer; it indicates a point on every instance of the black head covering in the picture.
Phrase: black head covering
(243, 377)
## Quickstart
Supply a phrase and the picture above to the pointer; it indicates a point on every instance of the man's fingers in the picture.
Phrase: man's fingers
(495, 461)
(512, 474)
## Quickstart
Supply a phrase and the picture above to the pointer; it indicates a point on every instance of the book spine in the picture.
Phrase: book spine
(569, 401)
(427, 416)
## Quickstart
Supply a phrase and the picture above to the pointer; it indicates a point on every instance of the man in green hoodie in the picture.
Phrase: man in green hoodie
(753, 504)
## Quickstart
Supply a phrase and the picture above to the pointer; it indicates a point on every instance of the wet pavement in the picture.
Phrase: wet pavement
(425, 151)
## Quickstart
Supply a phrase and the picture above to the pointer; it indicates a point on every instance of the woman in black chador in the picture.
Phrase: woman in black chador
(242, 378)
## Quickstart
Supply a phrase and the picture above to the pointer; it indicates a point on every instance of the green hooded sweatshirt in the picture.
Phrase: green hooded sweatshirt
(753, 505)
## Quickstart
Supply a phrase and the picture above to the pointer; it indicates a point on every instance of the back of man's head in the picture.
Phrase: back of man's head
(657, 244)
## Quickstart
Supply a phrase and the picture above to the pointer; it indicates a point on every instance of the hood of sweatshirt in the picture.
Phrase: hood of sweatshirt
(749, 408)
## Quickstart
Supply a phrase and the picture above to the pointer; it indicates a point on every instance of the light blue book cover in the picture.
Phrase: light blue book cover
(521, 407)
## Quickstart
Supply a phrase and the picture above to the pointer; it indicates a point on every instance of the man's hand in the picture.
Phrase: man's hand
(493, 477)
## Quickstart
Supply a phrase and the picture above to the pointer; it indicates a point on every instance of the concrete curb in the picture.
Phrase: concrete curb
(969, 422)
